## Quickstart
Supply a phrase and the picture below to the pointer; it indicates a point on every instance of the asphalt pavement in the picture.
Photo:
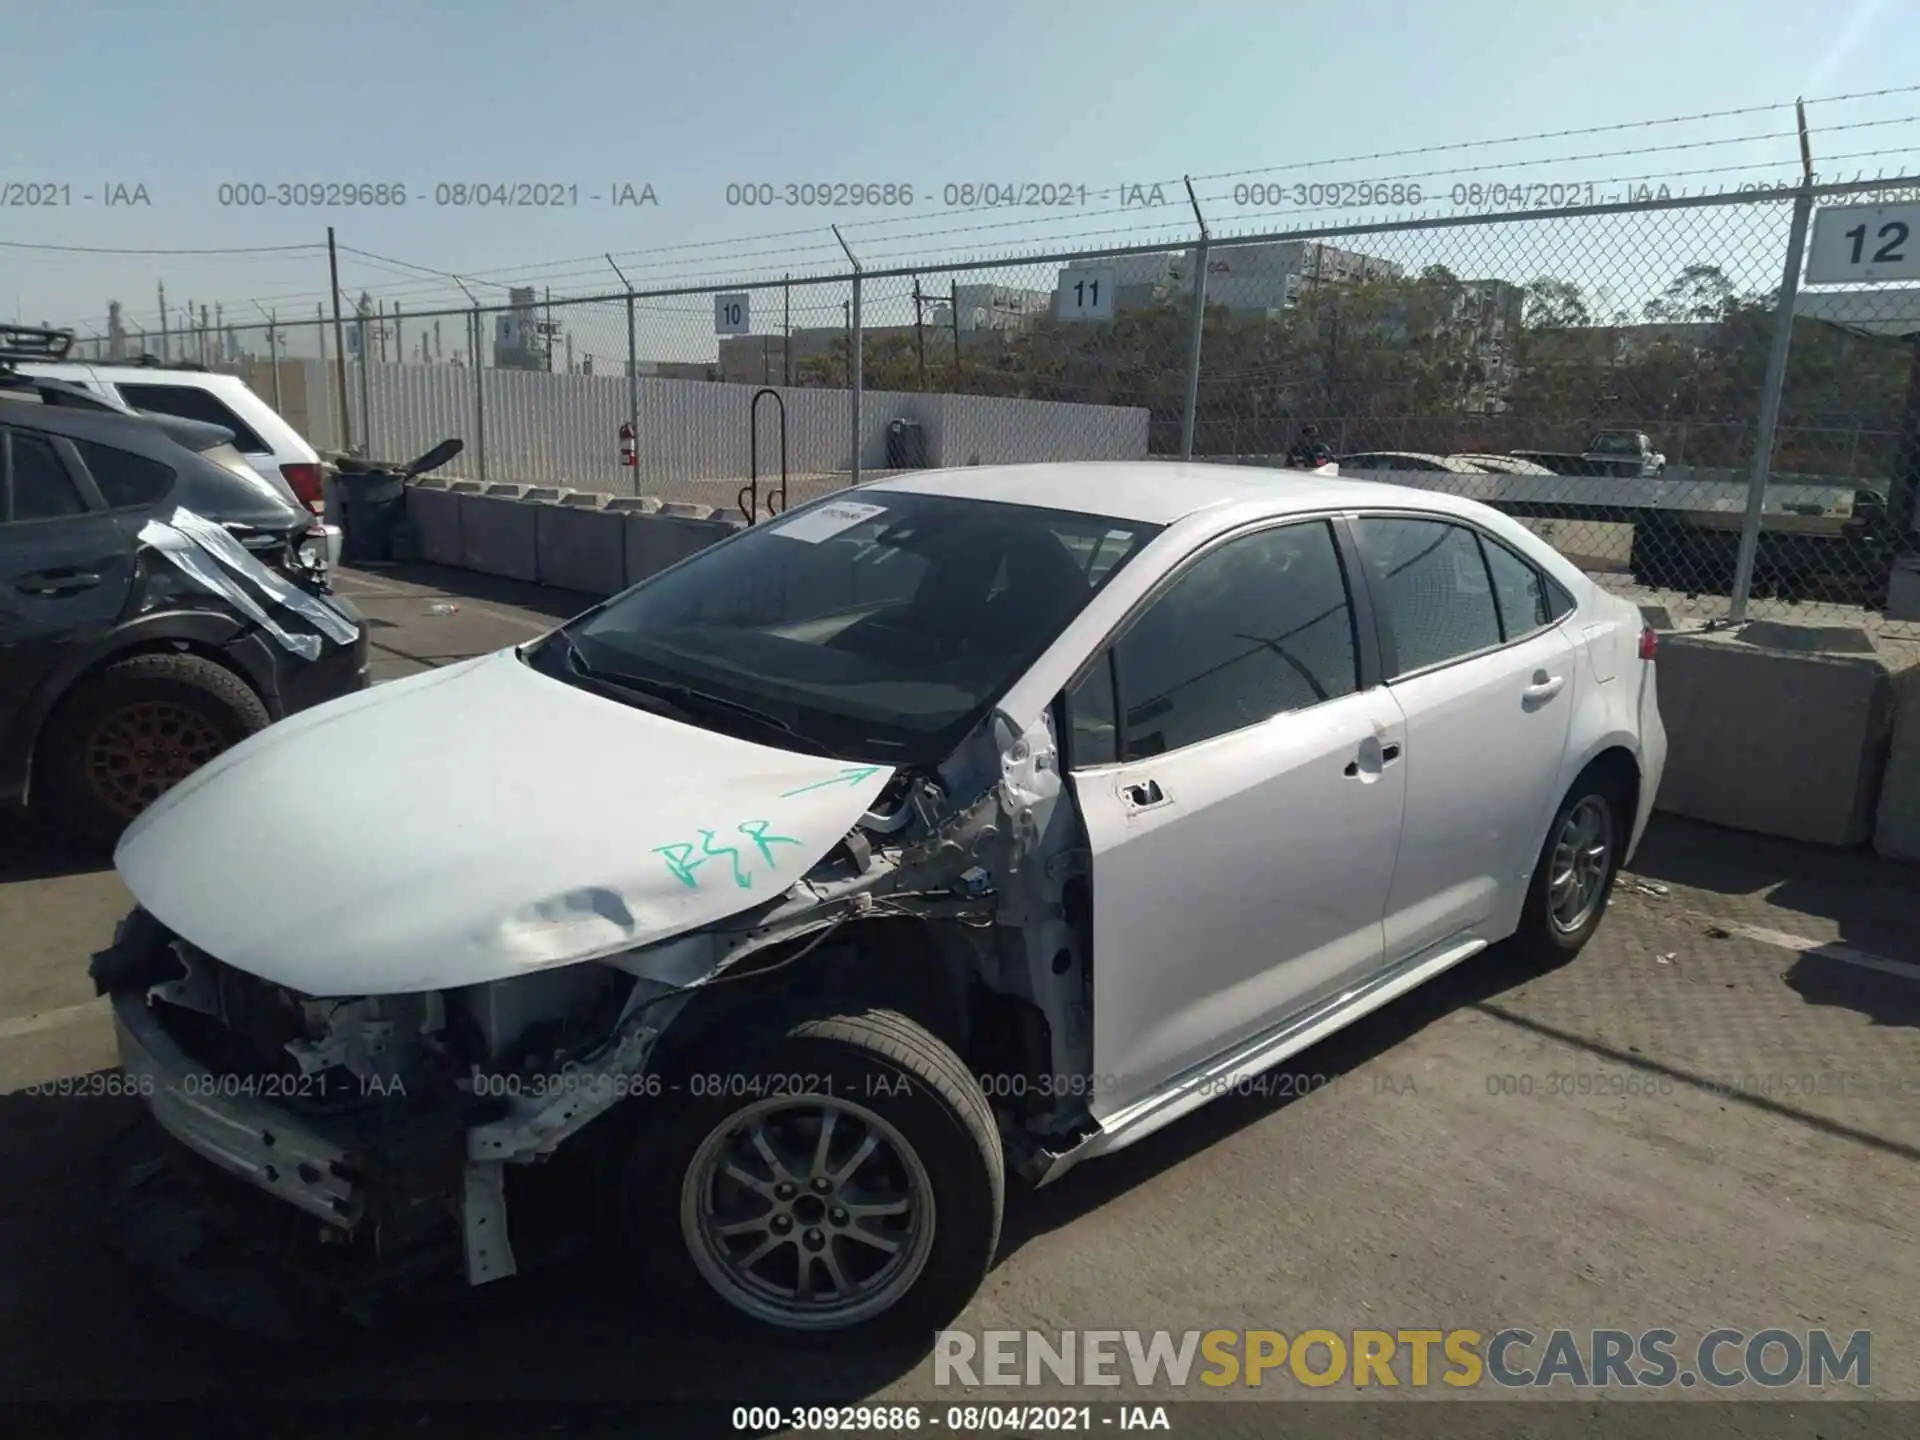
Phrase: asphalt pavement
(1710, 1118)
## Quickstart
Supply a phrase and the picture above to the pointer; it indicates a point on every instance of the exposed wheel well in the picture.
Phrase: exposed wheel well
(1618, 767)
(904, 964)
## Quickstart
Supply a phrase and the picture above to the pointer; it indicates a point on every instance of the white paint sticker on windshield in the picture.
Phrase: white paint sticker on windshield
(826, 521)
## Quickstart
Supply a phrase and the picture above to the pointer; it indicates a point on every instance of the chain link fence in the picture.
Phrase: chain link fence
(1650, 386)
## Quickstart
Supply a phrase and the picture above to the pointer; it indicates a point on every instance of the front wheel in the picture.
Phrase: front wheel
(129, 734)
(846, 1180)
(1575, 873)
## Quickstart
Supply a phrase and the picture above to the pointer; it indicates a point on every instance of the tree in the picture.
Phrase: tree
(1554, 305)
(1698, 294)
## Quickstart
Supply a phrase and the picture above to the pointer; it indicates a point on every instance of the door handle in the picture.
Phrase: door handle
(1388, 754)
(1544, 687)
(57, 582)
(1140, 796)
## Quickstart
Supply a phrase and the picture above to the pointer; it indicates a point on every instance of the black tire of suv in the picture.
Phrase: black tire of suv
(1539, 942)
(891, 1066)
(64, 798)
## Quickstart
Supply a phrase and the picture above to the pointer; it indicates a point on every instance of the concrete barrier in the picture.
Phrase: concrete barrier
(582, 545)
(1780, 729)
(1896, 825)
(433, 508)
(677, 530)
(497, 533)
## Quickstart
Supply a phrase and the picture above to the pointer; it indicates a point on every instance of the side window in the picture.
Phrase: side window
(191, 403)
(1559, 602)
(1435, 592)
(125, 479)
(1093, 737)
(1260, 626)
(1518, 588)
(36, 479)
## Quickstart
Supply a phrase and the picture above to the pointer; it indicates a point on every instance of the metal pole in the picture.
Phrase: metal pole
(479, 387)
(919, 333)
(273, 348)
(953, 314)
(166, 355)
(786, 330)
(399, 346)
(1195, 333)
(854, 365)
(1770, 406)
(339, 345)
(366, 398)
(633, 375)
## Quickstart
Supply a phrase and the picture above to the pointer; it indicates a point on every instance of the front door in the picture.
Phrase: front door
(1242, 799)
(1487, 686)
(66, 568)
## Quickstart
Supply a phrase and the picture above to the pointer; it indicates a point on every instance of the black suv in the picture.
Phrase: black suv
(158, 601)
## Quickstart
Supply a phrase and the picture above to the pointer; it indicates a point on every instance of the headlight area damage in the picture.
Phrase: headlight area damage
(470, 1133)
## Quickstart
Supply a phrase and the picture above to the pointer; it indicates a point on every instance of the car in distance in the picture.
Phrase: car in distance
(159, 601)
(1412, 460)
(973, 822)
(1502, 464)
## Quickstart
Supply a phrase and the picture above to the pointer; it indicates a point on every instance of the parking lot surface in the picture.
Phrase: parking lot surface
(1710, 1118)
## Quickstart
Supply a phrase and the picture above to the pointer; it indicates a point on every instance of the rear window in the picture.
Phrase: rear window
(191, 403)
(125, 479)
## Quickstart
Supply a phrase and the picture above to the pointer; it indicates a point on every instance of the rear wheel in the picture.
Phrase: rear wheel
(1575, 873)
(845, 1181)
(129, 734)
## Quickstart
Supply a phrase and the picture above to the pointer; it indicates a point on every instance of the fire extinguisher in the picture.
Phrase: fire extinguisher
(629, 451)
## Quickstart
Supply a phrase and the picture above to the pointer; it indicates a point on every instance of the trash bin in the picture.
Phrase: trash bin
(906, 445)
(375, 502)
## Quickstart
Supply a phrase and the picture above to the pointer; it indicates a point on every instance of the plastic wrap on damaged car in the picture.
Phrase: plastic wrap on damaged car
(203, 551)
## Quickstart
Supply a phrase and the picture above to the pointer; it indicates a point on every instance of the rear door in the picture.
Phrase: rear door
(1238, 776)
(66, 566)
(1487, 683)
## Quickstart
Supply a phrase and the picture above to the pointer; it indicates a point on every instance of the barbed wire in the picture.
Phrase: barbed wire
(559, 271)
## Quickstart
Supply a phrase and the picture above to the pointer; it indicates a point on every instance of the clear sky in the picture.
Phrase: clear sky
(687, 98)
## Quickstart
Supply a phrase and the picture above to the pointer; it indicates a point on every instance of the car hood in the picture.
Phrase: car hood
(473, 824)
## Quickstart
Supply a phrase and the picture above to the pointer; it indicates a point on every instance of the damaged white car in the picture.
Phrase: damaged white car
(767, 915)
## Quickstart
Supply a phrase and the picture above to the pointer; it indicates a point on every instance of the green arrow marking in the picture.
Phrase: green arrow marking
(851, 776)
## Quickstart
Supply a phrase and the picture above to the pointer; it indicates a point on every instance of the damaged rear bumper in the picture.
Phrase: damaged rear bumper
(259, 1142)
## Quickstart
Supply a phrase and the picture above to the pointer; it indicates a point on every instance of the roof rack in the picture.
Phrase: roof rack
(32, 343)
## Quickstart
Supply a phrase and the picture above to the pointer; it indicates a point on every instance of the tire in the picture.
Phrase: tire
(186, 706)
(1552, 933)
(936, 1177)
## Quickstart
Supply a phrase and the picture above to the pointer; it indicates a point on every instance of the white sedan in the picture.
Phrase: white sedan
(970, 821)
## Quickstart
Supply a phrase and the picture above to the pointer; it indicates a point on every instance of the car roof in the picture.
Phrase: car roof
(1161, 492)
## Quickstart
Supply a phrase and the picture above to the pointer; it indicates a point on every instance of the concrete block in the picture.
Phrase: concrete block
(1896, 827)
(498, 533)
(655, 541)
(1903, 590)
(582, 545)
(635, 504)
(434, 511)
(1779, 729)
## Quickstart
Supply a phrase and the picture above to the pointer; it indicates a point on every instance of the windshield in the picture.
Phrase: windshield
(879, 628)
(1616, 445)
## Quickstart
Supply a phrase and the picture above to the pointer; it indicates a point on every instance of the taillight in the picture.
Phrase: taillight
(306, 483)
(1649, 642)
